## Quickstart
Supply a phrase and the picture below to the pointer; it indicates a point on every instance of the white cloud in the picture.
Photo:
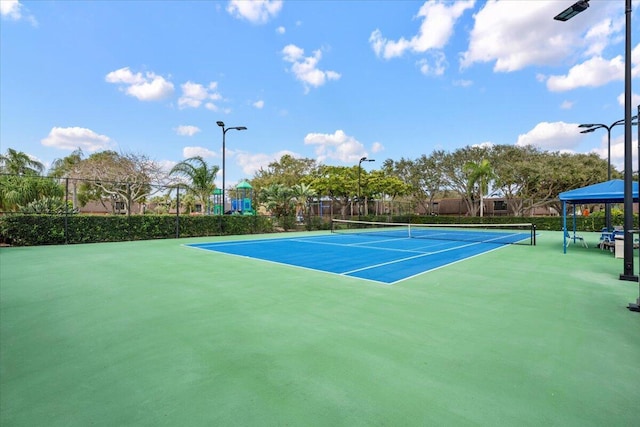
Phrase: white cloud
(124, 75)
(305, 68)
(149, 87)
(185, 130)
(195, 94)
(256, 11)
(292, 53)
(617, 151)
(336, 146)
(599, 35)
(635, 101)
(438, 20)
(540, 40)
(486, 144)
(281, 30)
(11, 9)
(15, 11)
(435, 67)
(556, 136)
(167, 165)
(377, 147)
(463, 83)
(595, 72)
(591, 73)
(205, 153)
(259, 104)
(253, 162)
(566, 105)
(72, 138)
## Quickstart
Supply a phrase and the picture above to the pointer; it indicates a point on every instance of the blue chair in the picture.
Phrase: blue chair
(607, 240)
(575, 238)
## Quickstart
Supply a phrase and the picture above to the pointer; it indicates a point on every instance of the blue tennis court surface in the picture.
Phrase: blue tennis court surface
(385, 260)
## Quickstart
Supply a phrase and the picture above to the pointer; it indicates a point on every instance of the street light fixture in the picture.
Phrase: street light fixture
(224, 133)
(591, 127)
(572, 11)
(363, 159)
(567, 14)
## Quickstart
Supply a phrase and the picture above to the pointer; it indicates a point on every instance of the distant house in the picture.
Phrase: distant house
(495, 206)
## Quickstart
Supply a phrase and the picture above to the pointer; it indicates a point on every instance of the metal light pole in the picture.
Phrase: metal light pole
(628, 273)
(565, 15)
(364, 159)
(635, 306)
(224, 133)
(591, 127)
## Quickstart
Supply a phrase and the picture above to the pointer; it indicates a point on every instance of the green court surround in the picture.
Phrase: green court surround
(153, 333)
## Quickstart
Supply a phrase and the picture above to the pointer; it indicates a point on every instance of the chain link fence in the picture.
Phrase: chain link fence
(50, 210)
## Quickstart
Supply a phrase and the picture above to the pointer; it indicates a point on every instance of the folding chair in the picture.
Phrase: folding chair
(574, 238)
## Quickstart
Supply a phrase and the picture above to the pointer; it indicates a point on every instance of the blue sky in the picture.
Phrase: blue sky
(329, 80)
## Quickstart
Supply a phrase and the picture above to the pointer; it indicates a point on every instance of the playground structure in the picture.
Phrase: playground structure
(241, 201)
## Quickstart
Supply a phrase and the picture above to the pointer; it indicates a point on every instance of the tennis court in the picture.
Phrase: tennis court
(157, 333)
(381, 252)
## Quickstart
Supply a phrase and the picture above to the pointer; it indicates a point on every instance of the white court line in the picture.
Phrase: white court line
(348, 273)
(360, 246)
(409, 258)
(446, 265)
(284, 264)
(419, 249)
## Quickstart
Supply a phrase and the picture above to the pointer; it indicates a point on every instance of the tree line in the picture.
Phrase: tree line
(527, 177)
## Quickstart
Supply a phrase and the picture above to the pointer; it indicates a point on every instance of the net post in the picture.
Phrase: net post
(533, 234)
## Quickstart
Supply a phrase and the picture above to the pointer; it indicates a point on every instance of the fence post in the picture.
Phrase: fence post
(66, 210)
(178, 211)
(129, 210)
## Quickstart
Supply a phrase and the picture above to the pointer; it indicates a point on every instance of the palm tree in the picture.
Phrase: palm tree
(18, 191)
(480, 174)
(301, 194)
(278, 199)
(69, 167)
(200, 178)
(19, 163)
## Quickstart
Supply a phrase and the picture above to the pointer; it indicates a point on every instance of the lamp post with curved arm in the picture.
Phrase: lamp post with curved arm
(565, 15)
(591, 127)
(363, 159)
(224, 133)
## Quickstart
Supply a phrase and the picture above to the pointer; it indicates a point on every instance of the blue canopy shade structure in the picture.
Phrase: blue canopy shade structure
(604, 192)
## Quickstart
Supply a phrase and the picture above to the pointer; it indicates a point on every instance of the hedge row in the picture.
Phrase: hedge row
(29, 230)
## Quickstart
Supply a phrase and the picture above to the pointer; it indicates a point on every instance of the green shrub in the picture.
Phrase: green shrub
(28, 230)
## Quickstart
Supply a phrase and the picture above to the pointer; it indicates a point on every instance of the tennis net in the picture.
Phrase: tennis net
(523, 234)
